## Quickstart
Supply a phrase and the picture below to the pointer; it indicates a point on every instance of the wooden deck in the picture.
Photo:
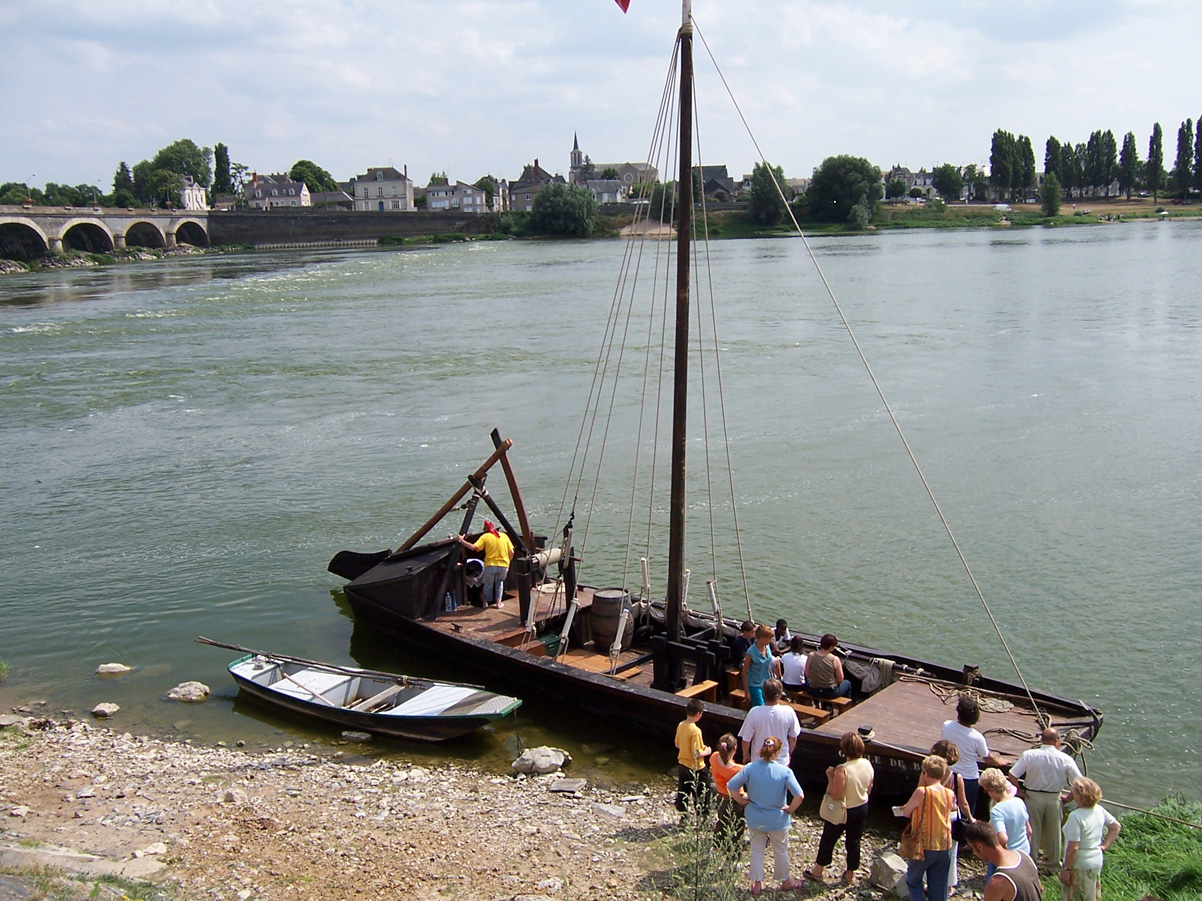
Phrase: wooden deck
(909, 714)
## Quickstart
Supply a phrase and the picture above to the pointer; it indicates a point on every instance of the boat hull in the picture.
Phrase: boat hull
(391, 603)
(432, 728)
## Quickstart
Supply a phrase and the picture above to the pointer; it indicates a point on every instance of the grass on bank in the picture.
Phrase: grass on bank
(51, 884)
(1153, 857)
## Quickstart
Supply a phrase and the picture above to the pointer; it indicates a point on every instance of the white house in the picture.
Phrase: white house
(191, 195)
(607, 190)
(383, 189)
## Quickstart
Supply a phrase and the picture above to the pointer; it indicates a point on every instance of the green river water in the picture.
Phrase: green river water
(186, 443)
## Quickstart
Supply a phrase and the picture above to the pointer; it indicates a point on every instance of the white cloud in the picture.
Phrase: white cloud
(475, 86)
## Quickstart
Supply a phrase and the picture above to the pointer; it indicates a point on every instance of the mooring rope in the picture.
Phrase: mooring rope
(879, 390)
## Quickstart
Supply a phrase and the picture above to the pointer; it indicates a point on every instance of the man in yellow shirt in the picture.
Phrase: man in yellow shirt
(498, 554)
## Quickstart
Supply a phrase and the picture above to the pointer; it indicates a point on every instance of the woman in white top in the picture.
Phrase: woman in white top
(793, 665)
(1089, 831)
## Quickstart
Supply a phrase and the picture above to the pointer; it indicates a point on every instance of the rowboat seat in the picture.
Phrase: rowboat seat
(306, 684)
(382, 697)
(432, 702)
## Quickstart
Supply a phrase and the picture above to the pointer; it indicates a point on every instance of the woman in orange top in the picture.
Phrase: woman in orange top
(730, 812)
(930, 807)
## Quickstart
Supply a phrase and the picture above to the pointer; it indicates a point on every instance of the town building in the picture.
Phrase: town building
(384, 189)
(583, 169)
(332, 200)
(533, 179)
(458, 196)
(607, 190)
(270, 192)
(191, 195)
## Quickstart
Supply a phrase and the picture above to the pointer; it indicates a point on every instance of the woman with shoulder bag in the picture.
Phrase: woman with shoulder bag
(961, 813)
(930, 809)
(844, 808)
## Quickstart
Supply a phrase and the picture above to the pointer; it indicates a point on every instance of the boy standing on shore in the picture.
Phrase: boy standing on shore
(692, 780)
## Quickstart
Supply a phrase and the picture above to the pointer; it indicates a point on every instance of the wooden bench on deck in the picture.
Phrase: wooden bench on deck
(707, 691)
(838, 705)
(815, 713)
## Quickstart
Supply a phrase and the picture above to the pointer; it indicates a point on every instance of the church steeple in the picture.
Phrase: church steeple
(577, 156)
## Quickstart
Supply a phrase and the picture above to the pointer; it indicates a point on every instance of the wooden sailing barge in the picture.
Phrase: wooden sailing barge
(569, 641)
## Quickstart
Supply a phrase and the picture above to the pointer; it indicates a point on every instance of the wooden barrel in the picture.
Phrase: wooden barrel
(608, 604)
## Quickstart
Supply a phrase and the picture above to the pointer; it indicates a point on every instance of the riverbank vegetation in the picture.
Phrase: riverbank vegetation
(1154, 856)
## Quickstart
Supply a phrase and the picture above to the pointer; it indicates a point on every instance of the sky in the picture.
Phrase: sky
(475, 87)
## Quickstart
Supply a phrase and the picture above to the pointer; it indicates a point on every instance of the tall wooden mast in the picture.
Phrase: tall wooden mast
(680, 369)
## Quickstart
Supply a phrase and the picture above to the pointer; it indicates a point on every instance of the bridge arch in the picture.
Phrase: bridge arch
(191, 231)
(86, 235)
(21, 239)
(144, 234)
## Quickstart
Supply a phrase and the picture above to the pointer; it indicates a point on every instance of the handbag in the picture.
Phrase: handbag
(833, 810)
(910, 844)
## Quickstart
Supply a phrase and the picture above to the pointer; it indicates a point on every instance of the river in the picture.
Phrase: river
(186, 443)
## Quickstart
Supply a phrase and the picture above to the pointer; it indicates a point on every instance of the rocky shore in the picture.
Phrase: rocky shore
(319, 823)
(79, 260)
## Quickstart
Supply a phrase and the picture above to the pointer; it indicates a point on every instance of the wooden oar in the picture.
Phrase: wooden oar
(300, 685)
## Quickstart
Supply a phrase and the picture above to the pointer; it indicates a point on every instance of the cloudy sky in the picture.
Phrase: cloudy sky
(484, 86)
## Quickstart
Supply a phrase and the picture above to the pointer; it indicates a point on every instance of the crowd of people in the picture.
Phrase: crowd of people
(1021, 830)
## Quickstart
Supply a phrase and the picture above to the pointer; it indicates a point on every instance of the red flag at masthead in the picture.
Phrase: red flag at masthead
(625, 4)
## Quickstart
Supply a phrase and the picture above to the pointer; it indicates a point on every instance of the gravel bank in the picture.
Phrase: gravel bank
(223, 823)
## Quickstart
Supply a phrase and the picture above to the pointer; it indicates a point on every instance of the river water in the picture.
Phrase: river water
(186, 443)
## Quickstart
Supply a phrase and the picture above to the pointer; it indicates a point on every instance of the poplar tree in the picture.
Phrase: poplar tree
(221, 170)
(1024, 169)
(1156, 161)
(1198, 158)
(1183, 171)
(1051, 157)
(1109, 161)
(1129, 165)
(1002, 162)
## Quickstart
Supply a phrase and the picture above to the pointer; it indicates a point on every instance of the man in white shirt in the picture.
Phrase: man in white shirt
(972, 747)
(771, 718)
(1042, 774)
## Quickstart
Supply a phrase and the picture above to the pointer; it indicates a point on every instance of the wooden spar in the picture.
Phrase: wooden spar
(434, 520)
(680, 367)
(519, 505)
(519, 543)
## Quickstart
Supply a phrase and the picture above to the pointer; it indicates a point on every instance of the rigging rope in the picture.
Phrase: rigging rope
(879, 390)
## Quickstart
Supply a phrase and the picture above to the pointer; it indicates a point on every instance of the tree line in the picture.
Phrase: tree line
(1098, 164)
(157, 182)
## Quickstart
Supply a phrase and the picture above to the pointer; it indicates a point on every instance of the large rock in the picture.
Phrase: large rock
(889, 874)
(105, 709)
(112, 669)
(189, 692)
(542, 760)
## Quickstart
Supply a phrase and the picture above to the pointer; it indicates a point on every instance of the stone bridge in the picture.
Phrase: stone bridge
(28, 233)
